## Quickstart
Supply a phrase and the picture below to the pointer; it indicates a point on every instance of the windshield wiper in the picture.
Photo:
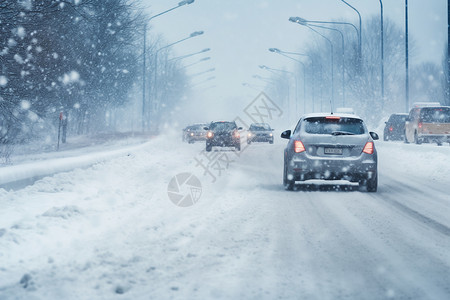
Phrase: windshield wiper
(342, 133)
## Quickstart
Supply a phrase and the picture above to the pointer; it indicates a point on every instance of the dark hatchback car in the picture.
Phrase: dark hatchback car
(193, 133)
(223, 134)
(395, 127)
(331, 147)
(260, 132)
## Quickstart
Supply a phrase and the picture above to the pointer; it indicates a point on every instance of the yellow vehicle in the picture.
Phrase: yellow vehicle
(428, 124)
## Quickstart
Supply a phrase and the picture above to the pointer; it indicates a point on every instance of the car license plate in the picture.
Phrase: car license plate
(333, 151)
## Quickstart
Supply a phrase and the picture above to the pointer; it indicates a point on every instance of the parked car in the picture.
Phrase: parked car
(195, 132)
(223, 134)
(428, 124)
(260, 132)
(331, 147)
(395, 127)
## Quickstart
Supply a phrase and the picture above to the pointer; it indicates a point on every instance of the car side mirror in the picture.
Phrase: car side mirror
(272, 129)
(374, 136)
(286, 134)
(239, 128)
(205, 128)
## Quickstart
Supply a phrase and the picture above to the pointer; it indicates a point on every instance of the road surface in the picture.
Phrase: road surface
(111, 231)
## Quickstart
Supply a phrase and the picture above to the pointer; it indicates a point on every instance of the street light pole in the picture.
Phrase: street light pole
(283, 53)
(143, 81)
(182, 3)
(382, 57)
(296, 85)
(197, 62)
(299, 21)
(406, 59)
(189, 55)
(360, 34)
(343, 58)
(194, 34)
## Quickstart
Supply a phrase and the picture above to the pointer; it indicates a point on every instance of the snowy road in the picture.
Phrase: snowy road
(111, 232)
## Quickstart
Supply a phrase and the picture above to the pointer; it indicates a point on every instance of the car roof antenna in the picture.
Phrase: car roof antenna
(331, 106)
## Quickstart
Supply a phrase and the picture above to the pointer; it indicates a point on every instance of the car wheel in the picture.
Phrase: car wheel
(238, 147)
(271, 142)
(249, 142)
(372, 184)
(385, 138)
(208, 147)
(369, 185)
(288, 184)
(417, 140)
(406, 139)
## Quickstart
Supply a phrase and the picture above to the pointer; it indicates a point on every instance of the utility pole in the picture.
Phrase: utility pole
(143, 81)
(448, 53)
(382, 56)
(407, 59)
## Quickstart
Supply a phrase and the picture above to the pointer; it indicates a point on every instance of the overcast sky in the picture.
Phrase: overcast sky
(239, 32)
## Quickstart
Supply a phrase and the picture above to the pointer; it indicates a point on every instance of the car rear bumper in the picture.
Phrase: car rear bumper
(352, 169)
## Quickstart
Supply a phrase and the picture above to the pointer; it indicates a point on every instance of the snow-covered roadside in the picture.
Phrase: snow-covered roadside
(78, 154)
(111, 232)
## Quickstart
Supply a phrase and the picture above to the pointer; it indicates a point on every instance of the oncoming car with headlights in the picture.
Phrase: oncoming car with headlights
(223, 134)
(260, 132)
(331, 147)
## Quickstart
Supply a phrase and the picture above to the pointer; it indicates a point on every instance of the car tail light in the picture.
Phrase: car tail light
(209, 134)
(333, 118)
(391, 128)
(420, 125)
(298, 147)
(236, 134)
(368, 148)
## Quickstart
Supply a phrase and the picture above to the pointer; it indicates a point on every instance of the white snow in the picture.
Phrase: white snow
(3, 80)
(110, 231)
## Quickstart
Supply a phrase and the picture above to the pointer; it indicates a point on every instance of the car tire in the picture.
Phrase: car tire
(238, 147)
(288, 184)
(385, 138)
(249, 142)
(271, 142)
(369, 185)
(417, 140)
(372, 184)
(406, 139)
(208, 147)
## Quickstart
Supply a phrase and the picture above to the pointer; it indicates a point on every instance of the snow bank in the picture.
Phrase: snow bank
(50, 166)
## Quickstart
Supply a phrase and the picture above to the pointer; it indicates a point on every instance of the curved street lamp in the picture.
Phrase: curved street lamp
(192, 35)
(301, 22)
(284, 53)
(182, 3)
(360, 34)
(343, 53)
(296, 84)
(189, 55)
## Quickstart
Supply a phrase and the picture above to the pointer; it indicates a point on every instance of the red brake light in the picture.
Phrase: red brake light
(391, 128)
(420, 125)
(237, 134)
(368, 148)
(333, 117)
(298, 147)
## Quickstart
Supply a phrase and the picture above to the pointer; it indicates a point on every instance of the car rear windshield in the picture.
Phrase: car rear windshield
(261, 127)
(334, 125)
(435, 115)
(222, 126)
(398, 118)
